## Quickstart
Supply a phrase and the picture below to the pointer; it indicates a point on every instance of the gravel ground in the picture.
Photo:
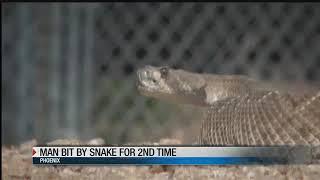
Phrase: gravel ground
(17, 164)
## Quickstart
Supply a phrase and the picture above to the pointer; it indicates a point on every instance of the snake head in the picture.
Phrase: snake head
(152, 80)
(172, 85)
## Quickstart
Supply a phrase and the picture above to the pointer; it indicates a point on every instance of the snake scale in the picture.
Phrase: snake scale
(239, 110)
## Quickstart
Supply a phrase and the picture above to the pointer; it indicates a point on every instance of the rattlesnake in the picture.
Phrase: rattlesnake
(239, 110)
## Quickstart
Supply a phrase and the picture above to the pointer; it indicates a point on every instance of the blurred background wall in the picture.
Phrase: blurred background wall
(68, 69)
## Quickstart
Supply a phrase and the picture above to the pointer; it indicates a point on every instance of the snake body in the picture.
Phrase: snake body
(239, 110)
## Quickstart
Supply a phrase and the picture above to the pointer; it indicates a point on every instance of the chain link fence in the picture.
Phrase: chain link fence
(68, 69)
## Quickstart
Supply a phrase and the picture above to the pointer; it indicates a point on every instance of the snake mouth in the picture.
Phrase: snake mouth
(140, 86)
(143, 89)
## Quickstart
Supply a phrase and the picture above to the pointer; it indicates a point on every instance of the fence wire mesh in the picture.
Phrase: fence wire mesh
(68, 68)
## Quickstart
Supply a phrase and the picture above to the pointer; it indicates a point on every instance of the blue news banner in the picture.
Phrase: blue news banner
(170, 155)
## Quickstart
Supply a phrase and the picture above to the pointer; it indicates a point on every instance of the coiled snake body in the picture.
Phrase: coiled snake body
(239, 110)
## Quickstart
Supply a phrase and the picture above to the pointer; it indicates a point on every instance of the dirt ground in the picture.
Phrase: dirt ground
(17, 164)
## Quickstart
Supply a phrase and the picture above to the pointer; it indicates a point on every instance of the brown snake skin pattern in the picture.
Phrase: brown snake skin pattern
(268, 118)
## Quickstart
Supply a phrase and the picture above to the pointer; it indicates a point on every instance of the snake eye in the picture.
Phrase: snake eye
(154, 81)
(164, 72)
